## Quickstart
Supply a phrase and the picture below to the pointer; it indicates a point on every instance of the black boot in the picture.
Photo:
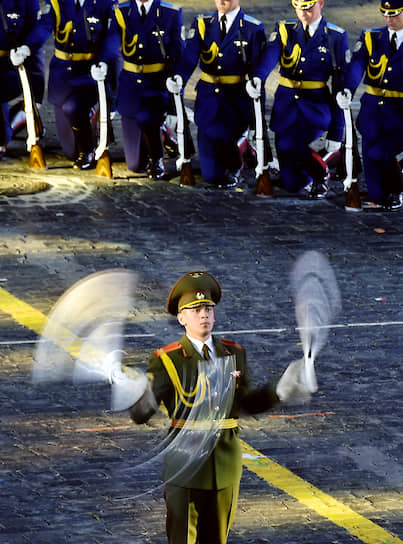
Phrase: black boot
(155, 167)
(317, 169)
(85, 147)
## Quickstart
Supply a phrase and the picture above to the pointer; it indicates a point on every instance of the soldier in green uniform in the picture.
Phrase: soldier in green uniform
(202, 509)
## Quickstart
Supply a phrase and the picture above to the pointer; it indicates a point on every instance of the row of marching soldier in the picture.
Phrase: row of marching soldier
(140, 50)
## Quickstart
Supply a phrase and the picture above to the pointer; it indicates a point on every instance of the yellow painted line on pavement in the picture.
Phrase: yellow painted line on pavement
(21, 312)
(33, 319)
(262, 466)
(313, 498)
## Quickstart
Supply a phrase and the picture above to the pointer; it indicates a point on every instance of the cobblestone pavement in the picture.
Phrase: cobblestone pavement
(66, 458)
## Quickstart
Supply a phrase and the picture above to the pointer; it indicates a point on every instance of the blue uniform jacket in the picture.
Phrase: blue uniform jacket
(18, 19)
(149, 51)
(79, 41)
(382, 103)
(311, 61)
(223, 108)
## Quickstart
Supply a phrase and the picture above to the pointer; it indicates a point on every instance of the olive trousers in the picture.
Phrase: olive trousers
(200, 516)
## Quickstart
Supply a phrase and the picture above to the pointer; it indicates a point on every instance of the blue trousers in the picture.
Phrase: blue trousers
(216, 157)
(295, 155)
(382, 174)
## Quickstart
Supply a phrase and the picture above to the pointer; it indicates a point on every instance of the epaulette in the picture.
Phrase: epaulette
(373, 30)
(252, 20)
(233, 344)
(204, 15)
(170, 6)
(122, 4)
(336, 28)
(288, 22)
(169, 347)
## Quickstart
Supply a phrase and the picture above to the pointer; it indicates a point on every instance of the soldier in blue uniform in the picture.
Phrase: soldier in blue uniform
(17, 18)
(227, 44)
(378, 55)
(151, 37)
(310, 51)
(79, 28)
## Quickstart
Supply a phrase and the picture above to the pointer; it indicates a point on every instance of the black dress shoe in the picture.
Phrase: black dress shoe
(317, 189)
(230, 179)
(393, 203)
(156, 169)
(85, 161)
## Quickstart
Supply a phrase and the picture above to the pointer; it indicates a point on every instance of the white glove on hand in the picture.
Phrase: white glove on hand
(332, 146)
(292, 387)
(343, 99)
(99, 71)
(18, 55)
(128, 384)
(254, 87)
(174, 84)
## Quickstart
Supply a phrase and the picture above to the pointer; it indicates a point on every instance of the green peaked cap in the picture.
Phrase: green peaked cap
(193, 289)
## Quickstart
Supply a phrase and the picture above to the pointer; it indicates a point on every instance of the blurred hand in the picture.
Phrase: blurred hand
(292, 387)
(99, 71)
(174, 84)
(254, 87)
(18, 55)
(343, 99)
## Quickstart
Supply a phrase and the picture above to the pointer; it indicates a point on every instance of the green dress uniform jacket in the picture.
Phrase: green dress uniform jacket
(223, 467)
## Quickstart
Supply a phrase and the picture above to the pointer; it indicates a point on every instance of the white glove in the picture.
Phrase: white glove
(18, 55)
(99, 71)
(292, 387)
(343, 99)
(254, 87)
(332, 146)
(128, 384)
(174, 84)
